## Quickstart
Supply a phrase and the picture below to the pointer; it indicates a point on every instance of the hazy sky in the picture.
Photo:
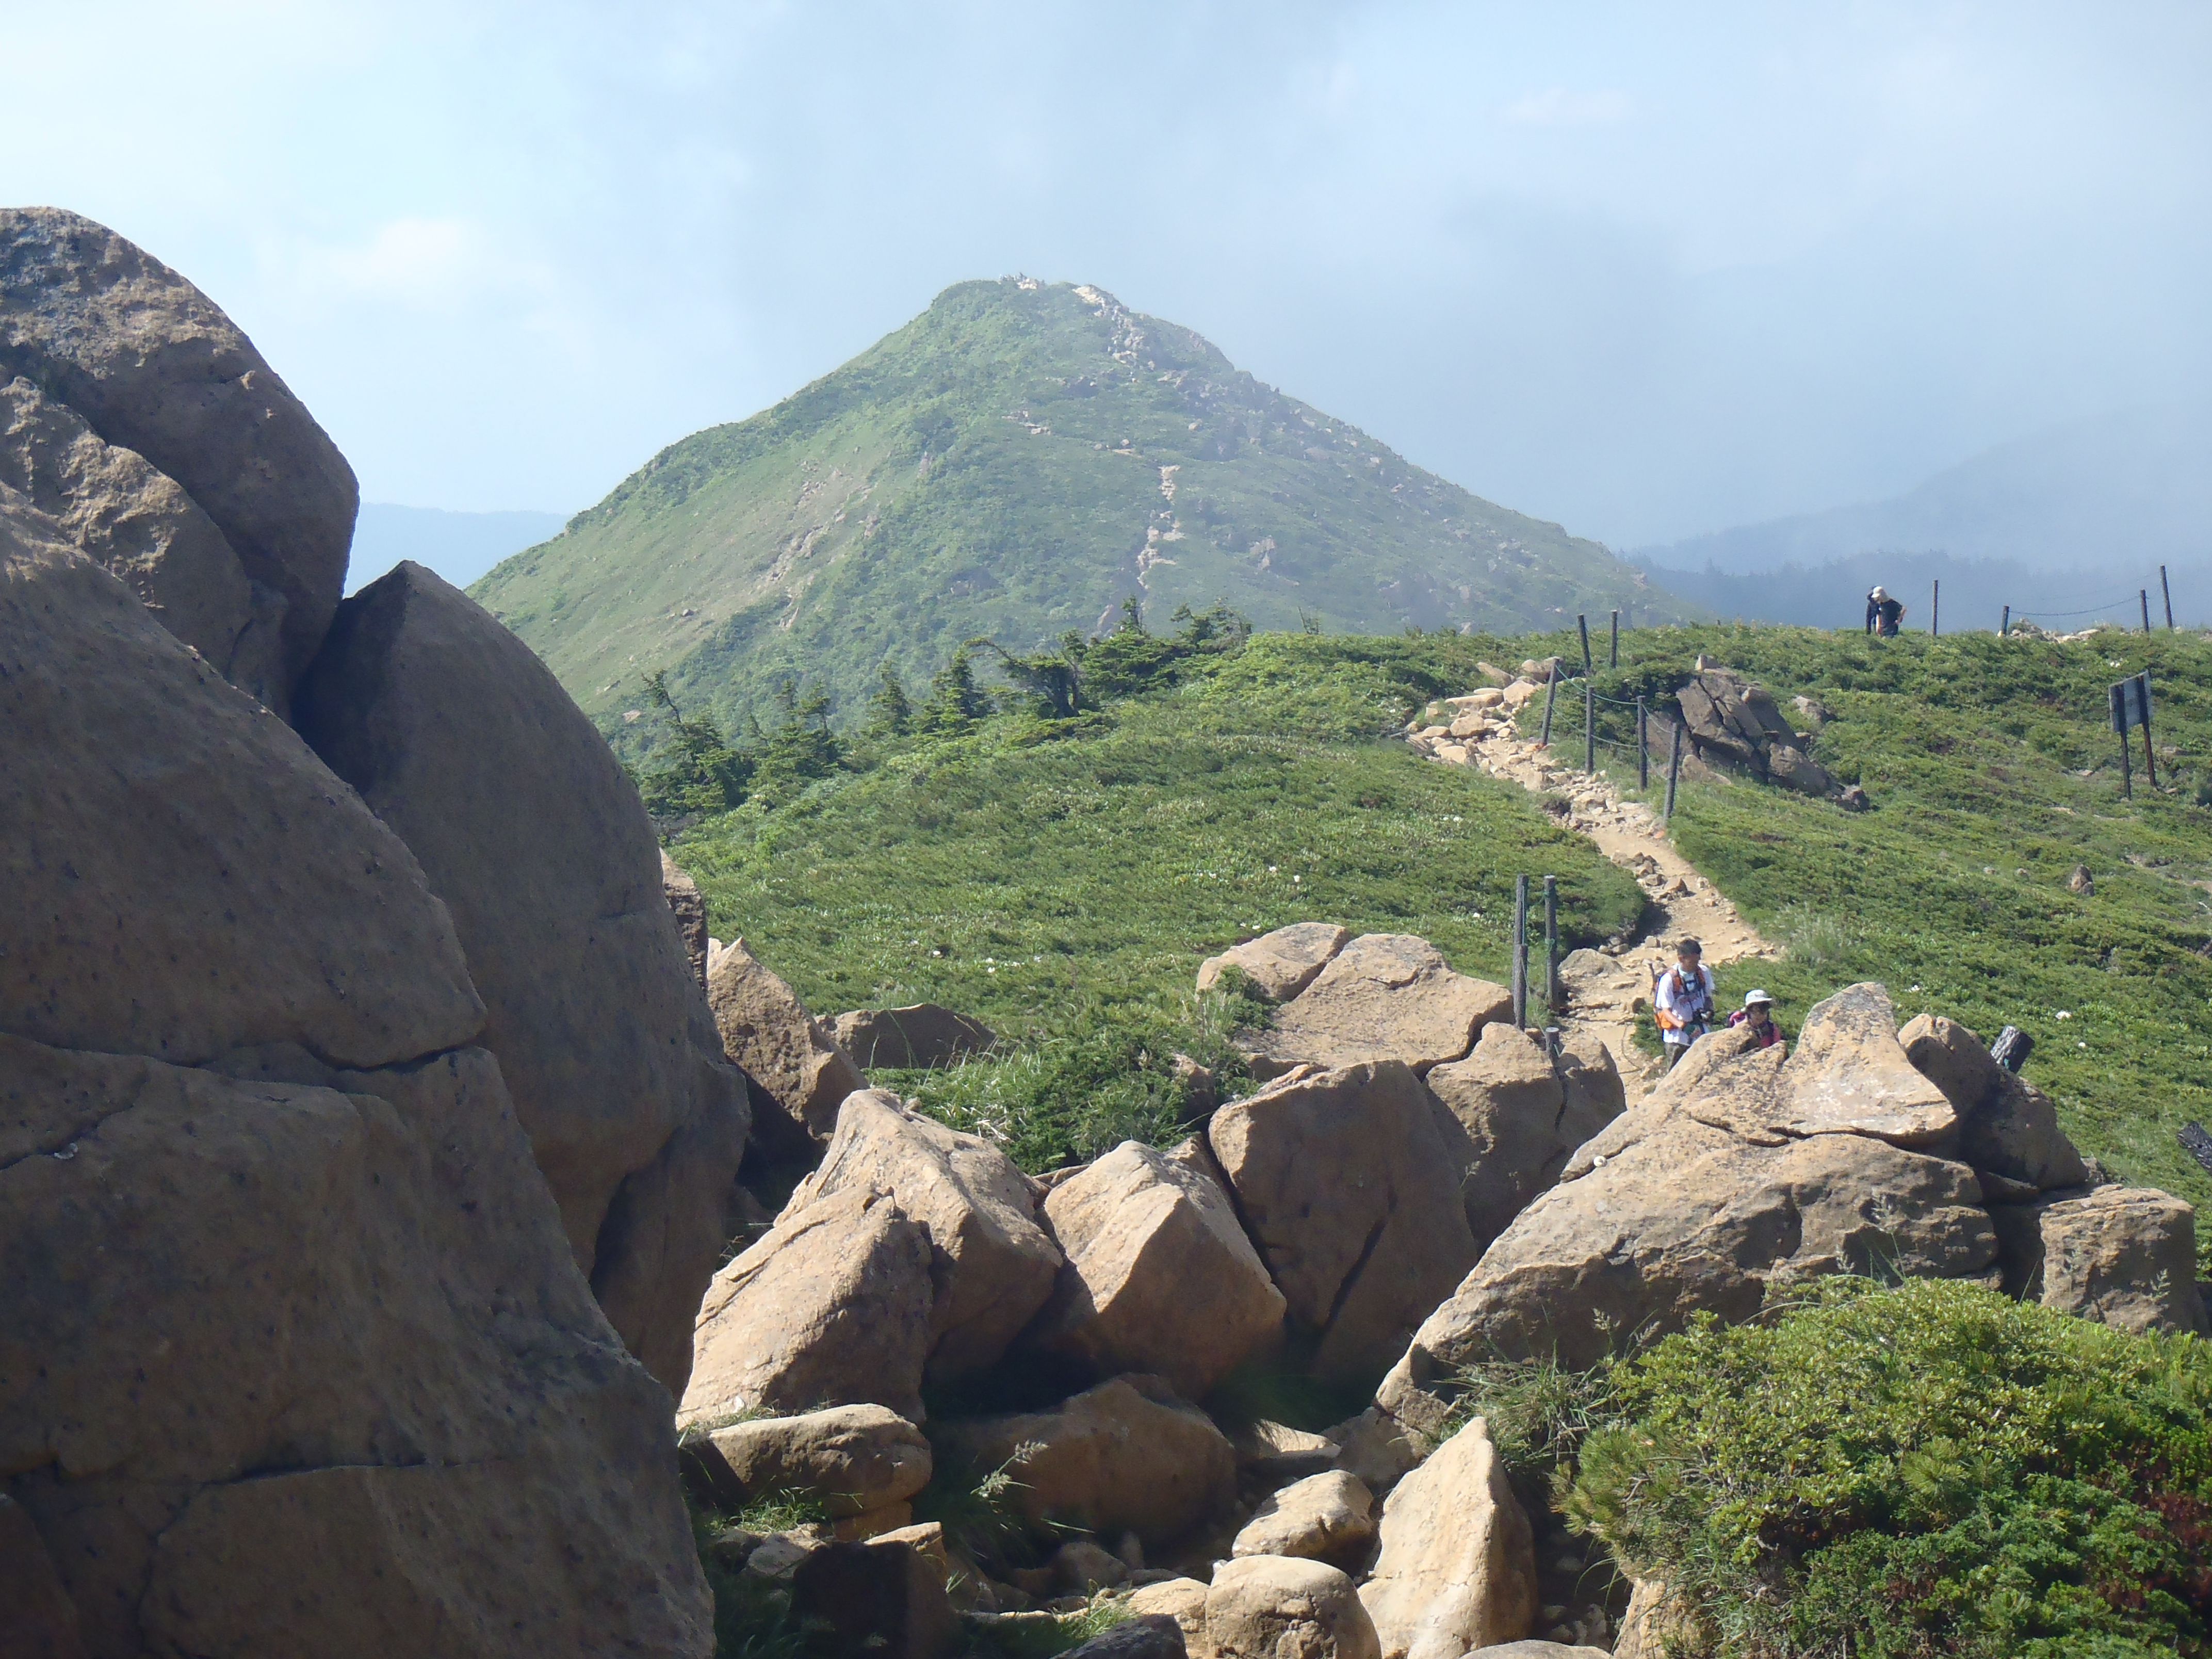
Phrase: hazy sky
(1645, 270)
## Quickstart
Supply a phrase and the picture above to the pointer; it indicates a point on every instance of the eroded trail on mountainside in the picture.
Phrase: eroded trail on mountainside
(1603, 988)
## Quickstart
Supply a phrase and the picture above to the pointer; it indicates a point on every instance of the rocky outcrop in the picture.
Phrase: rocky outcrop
(1159, 1276)
(1512, 1116)
(832, 1307)
(1740, 1169)
(688, 906)
(2008, 1129)
(455, 734)
(1457, 1569)
(919, 1035)
(290, 1303)
(1343, 1182)
(853, 1459)
(1383, 997)
(1281, 965)
(1324, 1518)
(1267, 1607)
(1126, 1454)
(993, 1264)
(152, 366)
(2123, 1256)
(1731, 721)
(800, 1075)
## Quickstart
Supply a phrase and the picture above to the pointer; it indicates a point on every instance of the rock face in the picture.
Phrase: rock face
(1145, 1635)
(463, 742)
(1126, 1454)
(2125, 1255)
(884, 1596)
(854, 1458)
(688, 906)
(1511, 1119)
(922, 1034)
(801, 1075)
(1274, 1607)
(1159, 1276)
(1732, 722)
(1325, 1517)
(1384, 996)
(151, 365)
(1279, 964)
(1740, 1169)
(1344, 1185)
(287, 1289)
(831, 1307)
(2007, 1128)
(1457, 1569)
(993, 1264)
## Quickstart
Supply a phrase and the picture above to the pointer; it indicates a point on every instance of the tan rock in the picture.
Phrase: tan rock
(1081, 1567)
(1378, 1449)
(1144, 1636)
(462, 741)
(801, 1075)
(1279, 964)
(1127, 1453)
(1274, 1452)
(1384, 996)
(832, 1307)
(1274, 1607)
(1496, 676)
(1518, 692)
(1324, 1518)
(1160, 1275)
(2008, 1127)
(139, 523)
(688, 906)
(1852, 1076)
(920, 1035)
(1344, 1184)
(1653, 1620)
(1182, 1600)
(995, 1265)
(152, 365)
(896, 1517)
(884, 1596)
(1457, 1568)
(2123, 1256)
(854, 1458)
(927, 1538)
(1508, 1125)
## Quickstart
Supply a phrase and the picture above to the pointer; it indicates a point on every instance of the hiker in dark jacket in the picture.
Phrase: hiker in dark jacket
(1883, 614)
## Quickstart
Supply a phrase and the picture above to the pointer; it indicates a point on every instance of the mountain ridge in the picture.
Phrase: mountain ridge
(1013, 462)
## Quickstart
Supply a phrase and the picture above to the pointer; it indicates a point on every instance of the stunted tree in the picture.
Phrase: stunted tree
(956, 702)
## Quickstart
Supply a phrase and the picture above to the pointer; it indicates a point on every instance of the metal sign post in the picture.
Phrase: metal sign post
(2130, 703)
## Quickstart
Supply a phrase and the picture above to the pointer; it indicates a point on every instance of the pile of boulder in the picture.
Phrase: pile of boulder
(1413, 1185)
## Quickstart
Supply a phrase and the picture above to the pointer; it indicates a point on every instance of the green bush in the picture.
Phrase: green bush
(1923, 1470)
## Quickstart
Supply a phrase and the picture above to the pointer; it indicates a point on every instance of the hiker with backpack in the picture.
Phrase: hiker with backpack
(1682, 1000)
(1883, 614)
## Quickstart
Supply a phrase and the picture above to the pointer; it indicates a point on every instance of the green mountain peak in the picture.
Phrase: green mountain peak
(1014, 462)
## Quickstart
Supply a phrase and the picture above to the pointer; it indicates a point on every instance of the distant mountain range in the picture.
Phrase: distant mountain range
(458, 546)
(1014, 462)
(2069, 525)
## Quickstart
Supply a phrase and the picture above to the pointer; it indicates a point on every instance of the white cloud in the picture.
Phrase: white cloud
(428, 263)
(1556, 106)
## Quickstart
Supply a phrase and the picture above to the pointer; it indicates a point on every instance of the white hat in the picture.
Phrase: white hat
(1880, 593)
(1752, 998)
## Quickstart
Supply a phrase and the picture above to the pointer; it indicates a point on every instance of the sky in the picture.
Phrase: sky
(1645, 271)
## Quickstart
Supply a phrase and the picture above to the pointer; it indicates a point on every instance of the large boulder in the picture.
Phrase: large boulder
(1457, 1568)
(1126, 1454)
(886, 1596)
(1328, 1516)
(152, 365)
(1160, 1275)
(1277, 1606)
(1741, 1171)
(463, 743)
(1510, 1119)
(1384, 996)
(1279, 964)
(688, 906)
(854, 1459)
(1344, 1185)
(2007, 1128)
(289, 1303)
(136, 520)
(2123, 1256)
(832, 1307)
(800, 1075)
(920, 1035)
(994, 1265)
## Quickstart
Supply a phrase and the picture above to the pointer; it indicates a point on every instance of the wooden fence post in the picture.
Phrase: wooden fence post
(2143, 593)
(1643, 746)
(1590, 727)
(1552, 942)
(1936, 608)
(2167, 593)
(2004, 628)
(1674, 768)
(1550, 690)
(1615, 662)
(1582, 625)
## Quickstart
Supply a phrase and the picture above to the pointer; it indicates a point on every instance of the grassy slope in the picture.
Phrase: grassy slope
(1953, 890)
(996, 467)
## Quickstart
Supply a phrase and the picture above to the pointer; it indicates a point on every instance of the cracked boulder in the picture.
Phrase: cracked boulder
(1346, 1188)
(152, 367)
(2123, 1256)
(1279, 964)
(800, 1076)
(1457, 1569)
(1744, 1169)
(1383, 996)
(920, 1036)
(1512, 1115)
(461, 741)
(1160, 1275)
(286, 1286)
(2008, 1129)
